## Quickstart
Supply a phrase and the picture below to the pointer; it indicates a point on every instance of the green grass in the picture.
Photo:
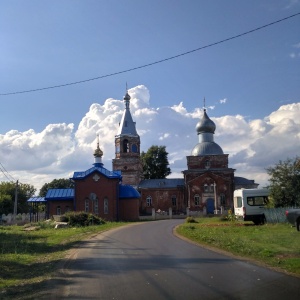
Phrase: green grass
(28, 258)
(277, 245)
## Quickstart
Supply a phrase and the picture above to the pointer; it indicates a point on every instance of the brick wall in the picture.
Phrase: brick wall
(104, 188)
(129, 209)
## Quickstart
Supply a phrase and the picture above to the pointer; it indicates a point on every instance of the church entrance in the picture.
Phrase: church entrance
(210, 206)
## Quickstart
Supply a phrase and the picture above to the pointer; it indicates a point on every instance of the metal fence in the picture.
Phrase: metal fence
(276, 215)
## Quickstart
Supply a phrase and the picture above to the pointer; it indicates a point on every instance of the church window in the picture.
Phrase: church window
(96, 207)
(125, 146)
(207, 164)
(197, 200)
(205, 188)
(149, 201)
(174, 200)
(222, 200)
(134, 148)
(105, 206)
(58, 210)
(211, 189)
(86, 205)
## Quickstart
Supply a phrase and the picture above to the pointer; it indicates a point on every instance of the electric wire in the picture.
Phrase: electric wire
(6, 173)
(153, 63)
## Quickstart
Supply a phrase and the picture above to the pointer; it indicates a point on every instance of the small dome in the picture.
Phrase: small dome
(207, 148)
(205, 125)
(127, 191)
(127, 97)
(98, 152)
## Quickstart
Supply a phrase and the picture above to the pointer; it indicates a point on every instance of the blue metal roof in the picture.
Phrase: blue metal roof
(161, 183)
(105, 172)
(242, 180)
(127, 191)
(60, 194)
(36, 199)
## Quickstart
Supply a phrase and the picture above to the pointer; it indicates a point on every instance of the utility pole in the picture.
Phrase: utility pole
(16, 200)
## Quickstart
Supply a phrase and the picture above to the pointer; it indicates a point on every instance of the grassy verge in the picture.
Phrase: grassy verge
(29, 257)
(277, 245)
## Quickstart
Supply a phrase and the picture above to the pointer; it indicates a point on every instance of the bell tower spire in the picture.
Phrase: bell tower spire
(127, 145)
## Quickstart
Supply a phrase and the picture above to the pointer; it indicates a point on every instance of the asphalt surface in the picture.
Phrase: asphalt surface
(147, 261)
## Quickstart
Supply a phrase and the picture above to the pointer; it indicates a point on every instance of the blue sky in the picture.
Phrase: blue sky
(48, 43)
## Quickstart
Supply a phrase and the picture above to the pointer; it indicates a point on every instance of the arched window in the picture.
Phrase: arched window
(134, 148)
(211, 188)
(205, 188)
(197, 200)
(174, 202)
(207, 164)
(86, 205)
(149, 201)
(125, 146)
(105, 206)
(96, 207)
(222, 200)
(58, 210)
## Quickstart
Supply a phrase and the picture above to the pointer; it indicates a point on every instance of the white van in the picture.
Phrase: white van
(249, 204)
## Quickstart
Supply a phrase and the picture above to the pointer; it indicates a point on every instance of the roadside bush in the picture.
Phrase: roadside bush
(190, 220)
(231, 216)
(82, 219)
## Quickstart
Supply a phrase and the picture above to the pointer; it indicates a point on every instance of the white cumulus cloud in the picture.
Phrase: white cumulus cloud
(60, 149)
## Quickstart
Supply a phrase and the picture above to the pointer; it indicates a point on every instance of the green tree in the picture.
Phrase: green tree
(285, 183)
(7, 197)
(61, 183)
(155, 163)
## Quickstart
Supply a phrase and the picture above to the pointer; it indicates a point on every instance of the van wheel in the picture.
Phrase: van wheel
(260, 220)
(298, 224)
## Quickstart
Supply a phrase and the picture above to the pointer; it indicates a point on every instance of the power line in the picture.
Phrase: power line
(5, 173)
(153, 63)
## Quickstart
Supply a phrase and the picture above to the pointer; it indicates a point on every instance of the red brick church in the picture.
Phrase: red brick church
(122, 194)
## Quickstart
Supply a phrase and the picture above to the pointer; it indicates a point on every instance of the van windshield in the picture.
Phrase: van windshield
(257, 200)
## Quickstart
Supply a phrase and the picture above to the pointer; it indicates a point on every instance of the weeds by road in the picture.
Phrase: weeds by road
(277, 245)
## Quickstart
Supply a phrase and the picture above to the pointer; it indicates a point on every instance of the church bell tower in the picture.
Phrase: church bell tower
(127, 148)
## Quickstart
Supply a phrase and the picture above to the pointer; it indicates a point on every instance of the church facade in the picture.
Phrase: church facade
(207, 184)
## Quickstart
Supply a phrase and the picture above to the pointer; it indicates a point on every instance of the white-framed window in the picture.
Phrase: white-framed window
(86, 205)
(105, 204)
(149, 201)
(197, 200)
(206, 188)
(58, 210)
(174, 200)
(96, 207)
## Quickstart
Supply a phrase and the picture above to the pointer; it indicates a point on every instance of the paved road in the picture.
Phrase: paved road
(146, 261)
